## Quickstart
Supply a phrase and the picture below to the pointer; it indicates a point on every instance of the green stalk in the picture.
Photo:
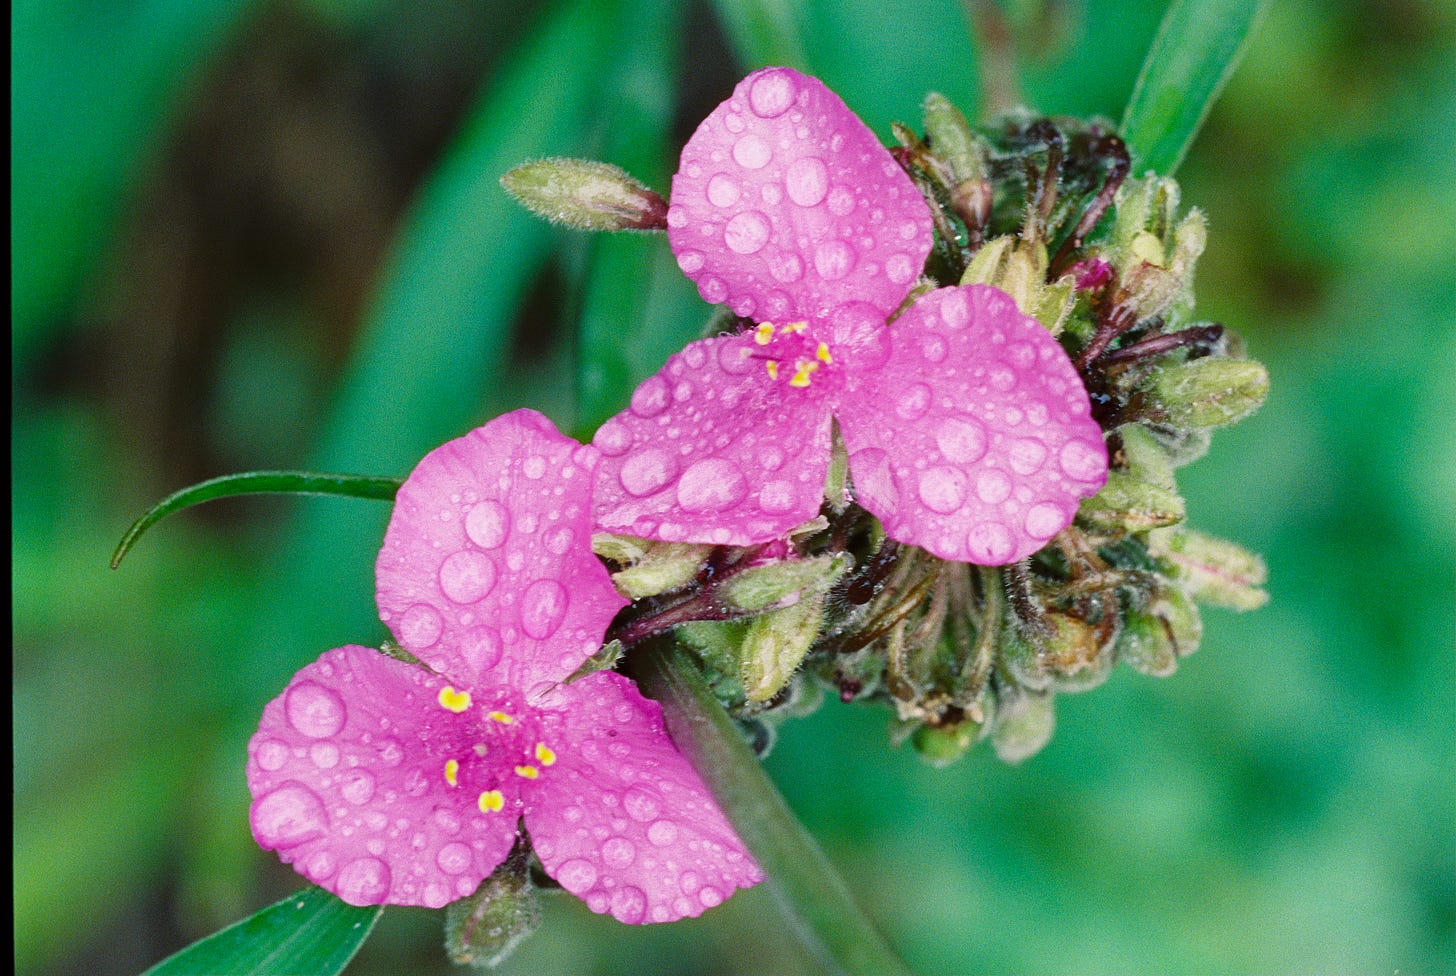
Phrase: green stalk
(814, 898)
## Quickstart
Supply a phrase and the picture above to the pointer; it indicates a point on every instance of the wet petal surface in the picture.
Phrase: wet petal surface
(348, 777)
(620, 819)
(714, 450)
(975, 440)
(487, 573)
(785, 205)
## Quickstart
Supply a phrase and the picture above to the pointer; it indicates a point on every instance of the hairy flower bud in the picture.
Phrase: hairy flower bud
(1211, 570)
(1152, 640)
(586, 194)
(941, 745)
(650, 567)
(775, 645)
(484, 928)
(1024, 723)
(1207, 392)
(781, 584)
(1140, 493)
(1019, 268)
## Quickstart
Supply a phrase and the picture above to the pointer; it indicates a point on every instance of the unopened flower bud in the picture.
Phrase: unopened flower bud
(781, 584)
(952, 139)
(650, 567)
(1019, 268)
(775, 646)
(1140, 493)
(586, 194)
(1024, 723)
(1211, 570)
(941, 745)
(1152, 640)
(484, 928)
(1208, 392)
(1073, 653)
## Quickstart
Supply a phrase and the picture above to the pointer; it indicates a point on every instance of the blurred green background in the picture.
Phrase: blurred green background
(268, 234)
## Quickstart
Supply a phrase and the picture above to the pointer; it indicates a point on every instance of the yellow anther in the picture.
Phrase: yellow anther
(773, 369)
(452, 772)
(764, 335)
(802, 372)
(545, 754)
(796, 327)
(529, 772)
(491, 801)
(454, 701)
(501, 717)
(822, 354)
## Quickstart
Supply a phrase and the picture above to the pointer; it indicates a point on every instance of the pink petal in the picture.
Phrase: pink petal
(347, 776)
(712, 450)
(786, 205)
(975, 440)
(621, 819)
(487, 573)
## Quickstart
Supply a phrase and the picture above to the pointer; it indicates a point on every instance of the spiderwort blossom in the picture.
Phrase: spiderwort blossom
(389, 783)
(969, 432)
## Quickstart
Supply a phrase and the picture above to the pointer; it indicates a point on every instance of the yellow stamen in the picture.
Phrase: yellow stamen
(773, 369)
(491, 801)
(764, 335)
(454, 701)
(529, 772)
(501, 717)
(545, 754)
(452, 772)
(822, 354)
(796, 327)
(802, 373)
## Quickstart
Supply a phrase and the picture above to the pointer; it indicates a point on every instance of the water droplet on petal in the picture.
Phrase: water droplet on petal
(481, 647)
(641, 804)
(690, 261)
(453, 858)
(932, 347)
(690, 882)
(651, 397)
(289, 816)
(271, 754)
(487, 524)
(990, 543)
(467, 576)
(677, 216)
(542, 608)
(961, 439)
(577, 875)
(833, 259)
(943, 489)
(914, 400)
(841, 201)
(662, 833)
(751, 152)
(714, 290)
(710, 897)
(618, 852)
(447, 821)
(436, 895)
(711, 485)
(358, 786)
(612, 439)
(320, 866)
(559, 541)
(391, 753)
(776, 497)
(992, 486)
(363, 882)
(899, 268)
(785, 266)
(420, 626)
(1021, 354)
(722, 192)
(534, 467)
(325, 755)
(771, 93)
(629, 904)
(1083, 461)
(747, 232)
(807, 180)
(1027, 454)
(647, 471)
(1003, 379)
(314, 710)
(1045, 520)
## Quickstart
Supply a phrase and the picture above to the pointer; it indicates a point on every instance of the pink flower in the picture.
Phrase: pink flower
(969, 431)
(387, 783)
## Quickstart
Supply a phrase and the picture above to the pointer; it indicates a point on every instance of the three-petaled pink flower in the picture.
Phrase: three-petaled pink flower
(388, 783)
(968, 430)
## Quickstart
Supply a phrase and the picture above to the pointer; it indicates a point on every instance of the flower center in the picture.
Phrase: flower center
(494, 747)
(790, 353)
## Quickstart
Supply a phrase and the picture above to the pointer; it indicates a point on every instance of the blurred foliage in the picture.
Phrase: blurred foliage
(269, 236)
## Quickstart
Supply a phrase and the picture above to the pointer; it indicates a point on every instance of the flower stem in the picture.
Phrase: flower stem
(814, 898)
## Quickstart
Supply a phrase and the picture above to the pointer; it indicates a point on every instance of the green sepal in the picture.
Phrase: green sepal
(482, 929)
(775, 646)
(586, 194)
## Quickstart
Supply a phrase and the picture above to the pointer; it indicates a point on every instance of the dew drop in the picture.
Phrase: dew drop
(807, 181)
(487, 524)
(363, 882)
(776, 497)
(289, 816)
(629, 904)
(833, 259)
(1045, 520)
(467, 576)
(899, 268)
(943, 489)
(321, 865)
(932, 347)
(913, 402)
(481, 647)
(771, 93)
(1083, 461)
(662, 833)
(271, 755)
(747, 232)
(1026, 455)
(785, 266)
(961, 439)
(641, 804)
(992, 486)
(577, 875)
(391, 753)
(420, 627)
(358, 786)
(690, 882)
(711, 485)
(436, 895)
(989, 543)
(677, 216)
(1021, 354)
(695, 356)
(722, 192)
(1003, 379)
(710, 897)
(542, 608)
(453, 858)
(325, 755)
(647, 471)
(314, 710)
(534, 467)
(618, 852)
(841, 201)
(751, 152)
(447, 821)
(714, 290)
(651, 397)
(559, 541)
(612, 439)
(690, 261)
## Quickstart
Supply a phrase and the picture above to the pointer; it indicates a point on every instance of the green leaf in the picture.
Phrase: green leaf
(312, 933)
(257, 483)
(1197, 48)
(818, 904)
(764, 32)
